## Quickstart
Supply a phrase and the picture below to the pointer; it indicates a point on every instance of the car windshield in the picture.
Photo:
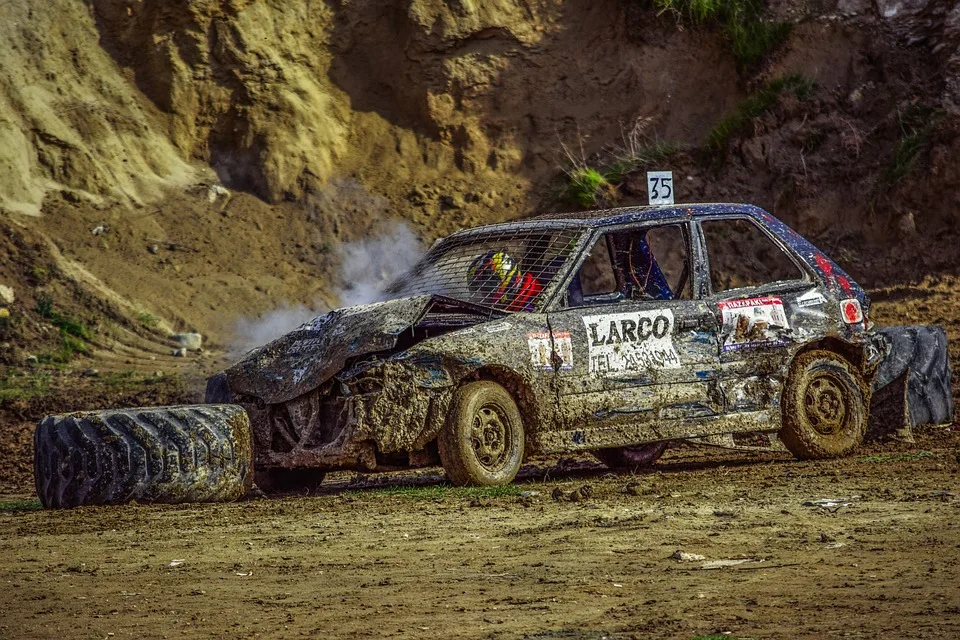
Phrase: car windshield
(507, 271)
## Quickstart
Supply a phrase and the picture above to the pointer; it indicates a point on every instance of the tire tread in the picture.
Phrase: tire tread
(157, 454)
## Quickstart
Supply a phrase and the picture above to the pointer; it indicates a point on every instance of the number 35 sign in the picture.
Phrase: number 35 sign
(660, 187)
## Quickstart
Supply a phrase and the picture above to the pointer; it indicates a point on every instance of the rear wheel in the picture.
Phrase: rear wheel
(631, 458)
(824, 406)
(482, 442)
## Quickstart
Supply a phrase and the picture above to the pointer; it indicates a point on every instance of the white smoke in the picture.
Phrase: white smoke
(251, 333)
(367, 267)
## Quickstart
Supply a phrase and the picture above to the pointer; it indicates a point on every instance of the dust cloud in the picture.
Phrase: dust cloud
(368, 266)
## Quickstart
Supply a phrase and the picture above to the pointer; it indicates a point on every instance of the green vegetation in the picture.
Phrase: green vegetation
(39, 275)
(750, 38)
(74, 335)
(130, 381)
(11, 325)
(899, 457)
(588, 187)
(32, 384)
(916, 125)
(755, 105)
(18, 506)
(147, 319)
(634, 156)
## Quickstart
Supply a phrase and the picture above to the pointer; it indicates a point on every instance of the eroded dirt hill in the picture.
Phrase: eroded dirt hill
(322, 119)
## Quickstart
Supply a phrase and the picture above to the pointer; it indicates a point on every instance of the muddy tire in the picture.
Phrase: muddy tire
(196, 453)
(824, 407)
(631, 458)
(921, 350)
(482, 441)
(288, 480)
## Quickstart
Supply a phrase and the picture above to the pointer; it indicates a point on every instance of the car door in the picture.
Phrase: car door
(758, 292)
(643, 347)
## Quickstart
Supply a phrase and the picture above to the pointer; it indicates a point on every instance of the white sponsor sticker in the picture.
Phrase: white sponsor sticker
(812, 298)
(635, 341)
(547, 347)
(660, 187)
(754, 322)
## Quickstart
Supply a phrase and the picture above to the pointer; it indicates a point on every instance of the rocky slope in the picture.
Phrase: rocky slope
(329, 116)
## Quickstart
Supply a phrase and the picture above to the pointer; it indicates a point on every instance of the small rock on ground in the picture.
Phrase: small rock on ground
(189, 341)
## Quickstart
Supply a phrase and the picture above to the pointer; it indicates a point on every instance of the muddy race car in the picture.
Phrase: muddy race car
(613, 332)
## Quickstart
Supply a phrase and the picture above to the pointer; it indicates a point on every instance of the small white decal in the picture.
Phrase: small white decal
(754, 322)
(812, 298)
(546, 346)
(497, 327)
(631, 341)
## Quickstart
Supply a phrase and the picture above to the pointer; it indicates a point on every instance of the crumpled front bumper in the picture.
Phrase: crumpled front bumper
(393, 406)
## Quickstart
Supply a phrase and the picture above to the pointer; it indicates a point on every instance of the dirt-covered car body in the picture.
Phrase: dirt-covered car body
(662, 346)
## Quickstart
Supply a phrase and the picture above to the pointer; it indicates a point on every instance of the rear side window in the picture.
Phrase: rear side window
(742, 255)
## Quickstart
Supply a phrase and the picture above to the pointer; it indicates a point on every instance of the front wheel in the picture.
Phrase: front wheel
(482, 441)
(824, 406)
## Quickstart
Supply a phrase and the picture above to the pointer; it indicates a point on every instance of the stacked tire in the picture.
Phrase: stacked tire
(200, 453)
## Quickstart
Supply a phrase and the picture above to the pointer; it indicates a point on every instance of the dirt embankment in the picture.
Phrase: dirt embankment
(322, 118)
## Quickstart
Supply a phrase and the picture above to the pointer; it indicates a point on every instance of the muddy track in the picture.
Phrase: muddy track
(375, 557)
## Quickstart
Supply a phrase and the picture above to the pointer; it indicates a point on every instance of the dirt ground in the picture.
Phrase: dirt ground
(404, 555)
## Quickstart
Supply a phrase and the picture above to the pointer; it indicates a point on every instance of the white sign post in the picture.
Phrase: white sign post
(660, 187)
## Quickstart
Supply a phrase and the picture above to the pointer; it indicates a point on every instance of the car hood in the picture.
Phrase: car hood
(313, 353)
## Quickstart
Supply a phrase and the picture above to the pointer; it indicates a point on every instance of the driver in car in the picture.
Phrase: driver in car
(496, 276)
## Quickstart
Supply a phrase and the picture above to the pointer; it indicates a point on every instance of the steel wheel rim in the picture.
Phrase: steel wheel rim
(825, 404)
(490, 437)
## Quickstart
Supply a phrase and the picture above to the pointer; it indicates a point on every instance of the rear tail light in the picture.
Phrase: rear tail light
(850, 311)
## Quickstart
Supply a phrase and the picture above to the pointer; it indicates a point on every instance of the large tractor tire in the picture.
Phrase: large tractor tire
(921, 353)
(482, 441)
(199, 453)
(631, 458)
(825, 406)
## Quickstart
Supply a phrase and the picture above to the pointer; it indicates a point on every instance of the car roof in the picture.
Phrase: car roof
(621, 215)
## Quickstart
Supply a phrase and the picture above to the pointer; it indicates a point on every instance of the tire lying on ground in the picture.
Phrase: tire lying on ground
(200, 453)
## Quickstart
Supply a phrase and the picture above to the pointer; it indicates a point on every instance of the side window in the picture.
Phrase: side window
(596, 273)
(669, 250)
(643, 264)
(742, 255)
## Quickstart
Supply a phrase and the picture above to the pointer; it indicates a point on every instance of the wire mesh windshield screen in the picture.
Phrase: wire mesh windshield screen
(507, 270)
